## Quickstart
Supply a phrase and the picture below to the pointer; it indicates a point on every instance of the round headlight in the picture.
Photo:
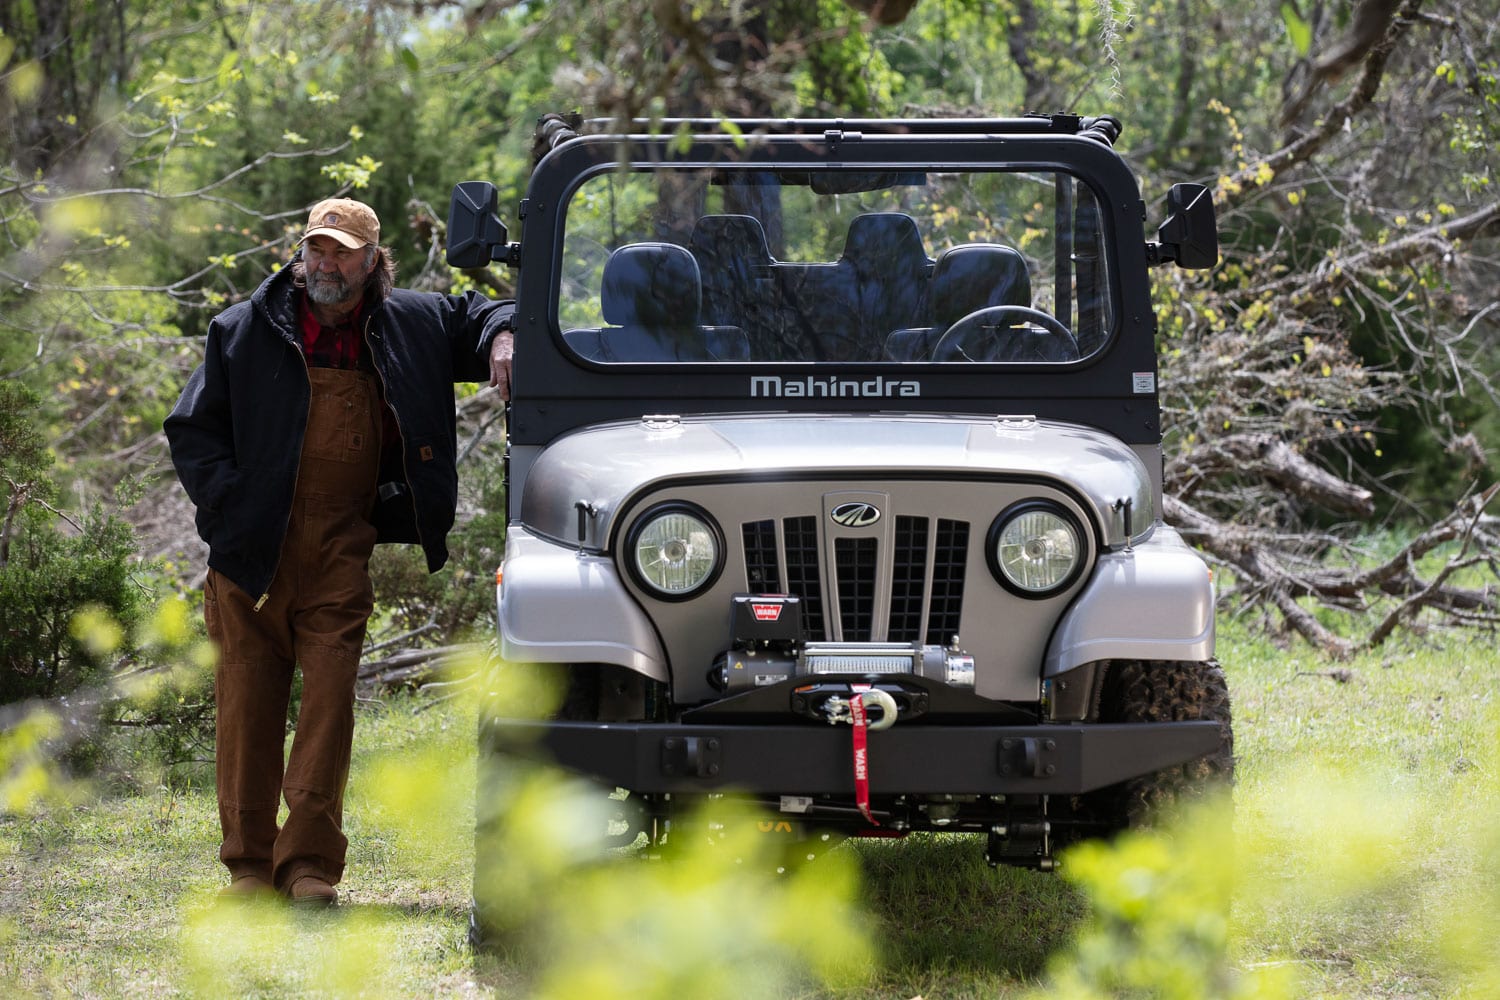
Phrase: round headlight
(1036, 549)
(675, 551)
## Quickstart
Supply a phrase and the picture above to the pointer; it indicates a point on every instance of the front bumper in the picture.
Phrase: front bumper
(808, 759)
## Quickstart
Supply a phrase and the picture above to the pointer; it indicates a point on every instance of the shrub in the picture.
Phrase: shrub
(48, 573)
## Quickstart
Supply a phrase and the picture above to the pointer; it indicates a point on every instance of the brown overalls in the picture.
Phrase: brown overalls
(314, 616)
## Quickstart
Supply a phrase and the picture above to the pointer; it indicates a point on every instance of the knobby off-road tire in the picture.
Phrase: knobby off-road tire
(1155, 691)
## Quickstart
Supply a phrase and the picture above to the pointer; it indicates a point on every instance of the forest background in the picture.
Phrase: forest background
(1332, 375)
(1330, 408)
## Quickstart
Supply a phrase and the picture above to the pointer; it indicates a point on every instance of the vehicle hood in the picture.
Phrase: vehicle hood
(598, 469)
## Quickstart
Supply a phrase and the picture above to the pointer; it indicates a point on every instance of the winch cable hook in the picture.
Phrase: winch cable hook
(882, 700)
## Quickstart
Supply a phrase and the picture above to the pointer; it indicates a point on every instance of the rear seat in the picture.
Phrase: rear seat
(738, 290)
(840, 311)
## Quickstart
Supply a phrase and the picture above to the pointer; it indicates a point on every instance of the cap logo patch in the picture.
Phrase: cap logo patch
(331, 219)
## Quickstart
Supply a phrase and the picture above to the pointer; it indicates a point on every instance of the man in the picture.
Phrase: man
(320, 422)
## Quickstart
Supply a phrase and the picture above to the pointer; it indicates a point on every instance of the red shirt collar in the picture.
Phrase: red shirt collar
(335, 346)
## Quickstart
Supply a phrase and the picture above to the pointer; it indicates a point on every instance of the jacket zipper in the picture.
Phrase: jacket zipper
(298, 475)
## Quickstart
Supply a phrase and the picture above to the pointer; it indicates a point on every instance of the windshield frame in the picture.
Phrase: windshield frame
(1089, 390)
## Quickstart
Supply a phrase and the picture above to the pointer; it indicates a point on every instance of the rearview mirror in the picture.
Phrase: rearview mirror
(1189, 236)
(475, 232)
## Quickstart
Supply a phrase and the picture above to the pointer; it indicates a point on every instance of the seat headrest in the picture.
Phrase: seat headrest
(651, 284)
(730, 237)
(974, 276)
(883, 240)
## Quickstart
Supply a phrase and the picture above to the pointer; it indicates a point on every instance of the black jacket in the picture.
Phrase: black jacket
(236, 432)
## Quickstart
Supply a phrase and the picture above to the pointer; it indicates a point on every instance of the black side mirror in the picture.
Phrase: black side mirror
(476, 235)
(1189, 236)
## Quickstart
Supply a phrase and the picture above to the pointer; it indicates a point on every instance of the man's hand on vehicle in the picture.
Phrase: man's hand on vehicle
(500, 354)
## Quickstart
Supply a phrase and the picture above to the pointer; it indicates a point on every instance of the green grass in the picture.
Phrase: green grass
(1367, 856)
(947, 925)
(1367, 799)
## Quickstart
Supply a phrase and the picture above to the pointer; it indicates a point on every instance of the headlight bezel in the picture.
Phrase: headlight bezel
(1007, 517)
(651, 516)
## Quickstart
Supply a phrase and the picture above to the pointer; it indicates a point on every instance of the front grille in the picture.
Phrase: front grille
(924, 564)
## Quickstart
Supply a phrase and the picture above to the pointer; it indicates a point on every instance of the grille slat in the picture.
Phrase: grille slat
(949, 562)
(856, 568)
(908, 581)
(800, 538)
(761, 564)
(926, 564)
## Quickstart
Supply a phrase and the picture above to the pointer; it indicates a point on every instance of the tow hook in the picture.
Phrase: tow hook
(837, 709)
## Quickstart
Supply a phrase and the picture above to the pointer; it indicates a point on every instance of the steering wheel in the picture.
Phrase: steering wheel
(994, 333)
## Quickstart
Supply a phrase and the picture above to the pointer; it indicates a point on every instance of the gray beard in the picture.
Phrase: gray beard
(328, 290)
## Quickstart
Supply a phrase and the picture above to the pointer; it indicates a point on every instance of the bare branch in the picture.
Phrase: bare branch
(1332, 124)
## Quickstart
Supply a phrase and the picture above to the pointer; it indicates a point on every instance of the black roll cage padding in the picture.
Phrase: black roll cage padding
(552, 130)
(555, 129)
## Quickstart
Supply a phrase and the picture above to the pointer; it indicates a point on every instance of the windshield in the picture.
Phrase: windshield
(746, 265)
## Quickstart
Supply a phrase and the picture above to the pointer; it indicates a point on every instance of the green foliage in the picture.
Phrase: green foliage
(23, 451)
(156, 728)
(48, 574)
(459, 599)
(1298, 31)
(1160, 923)
(1364, 862)
(29, 777)
(183, 183)
(845, 73)
(710, 919)
(49, 578)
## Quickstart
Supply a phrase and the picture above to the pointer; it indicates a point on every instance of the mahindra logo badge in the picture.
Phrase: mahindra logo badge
(766, 612)
(855, 514)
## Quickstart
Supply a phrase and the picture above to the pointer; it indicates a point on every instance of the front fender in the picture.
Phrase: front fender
(1154, 601)
(560, 605)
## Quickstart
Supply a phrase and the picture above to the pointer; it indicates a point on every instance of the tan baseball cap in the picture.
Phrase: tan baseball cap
(352, 223)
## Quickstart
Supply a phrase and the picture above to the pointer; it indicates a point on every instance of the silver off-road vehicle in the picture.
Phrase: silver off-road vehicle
(835, 477)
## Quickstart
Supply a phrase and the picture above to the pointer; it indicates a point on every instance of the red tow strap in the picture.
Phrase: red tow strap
(861, 758)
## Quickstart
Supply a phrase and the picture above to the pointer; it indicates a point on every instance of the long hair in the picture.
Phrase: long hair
(378, 285)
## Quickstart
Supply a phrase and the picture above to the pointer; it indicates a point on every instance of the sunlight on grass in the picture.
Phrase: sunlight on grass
(266, 949)
(1466, 904)
(578, 919)
(1331, 877)
(1362, 860)
(1159, 922)
(418, 799)
(714, 920)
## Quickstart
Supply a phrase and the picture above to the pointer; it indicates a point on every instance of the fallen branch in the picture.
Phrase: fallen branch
(403, 637)
(1285, 579)
(414, 668)
(1424, 598)
(1267, 457)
